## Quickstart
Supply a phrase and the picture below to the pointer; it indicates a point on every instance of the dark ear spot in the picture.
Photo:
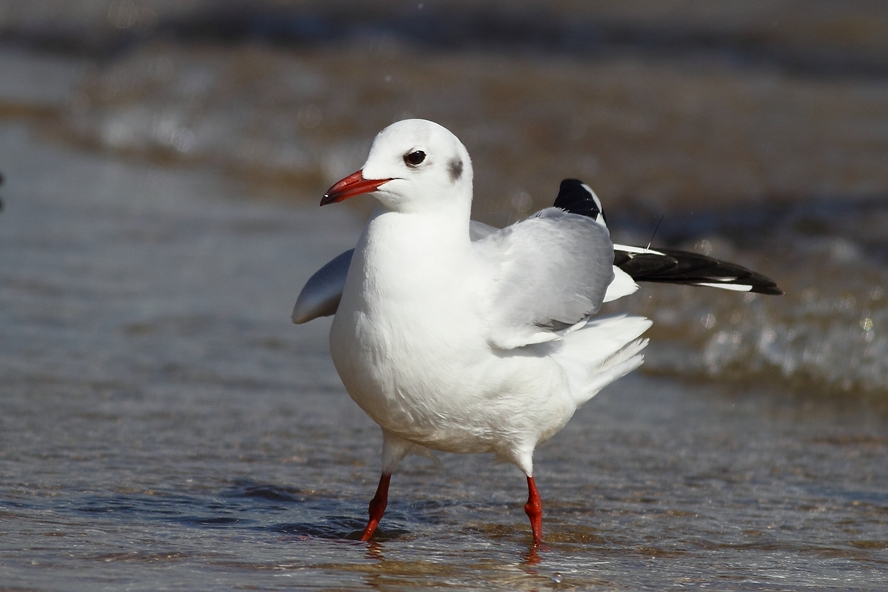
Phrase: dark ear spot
(455, 168)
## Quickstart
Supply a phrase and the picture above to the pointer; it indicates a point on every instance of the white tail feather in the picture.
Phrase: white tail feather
(606, 349)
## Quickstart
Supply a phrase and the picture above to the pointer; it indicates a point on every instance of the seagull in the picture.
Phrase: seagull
(456, 336)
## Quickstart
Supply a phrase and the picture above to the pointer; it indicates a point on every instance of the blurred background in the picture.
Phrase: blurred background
(164, 425)
(758, 131)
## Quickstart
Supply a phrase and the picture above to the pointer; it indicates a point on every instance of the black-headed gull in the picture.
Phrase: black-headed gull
(456, 336)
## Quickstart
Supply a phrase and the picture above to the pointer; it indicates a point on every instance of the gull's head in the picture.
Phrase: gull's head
(413, 165)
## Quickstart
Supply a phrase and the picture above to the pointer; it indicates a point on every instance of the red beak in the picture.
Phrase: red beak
(354, 184)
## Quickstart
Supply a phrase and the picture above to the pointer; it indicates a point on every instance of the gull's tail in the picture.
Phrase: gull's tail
(605, 349)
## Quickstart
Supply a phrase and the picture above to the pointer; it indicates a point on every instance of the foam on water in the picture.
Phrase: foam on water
(825, 336)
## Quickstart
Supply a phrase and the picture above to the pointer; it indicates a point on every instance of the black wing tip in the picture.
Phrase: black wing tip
(672, 266)
(575, 197)
(769, 289)
(569, 185)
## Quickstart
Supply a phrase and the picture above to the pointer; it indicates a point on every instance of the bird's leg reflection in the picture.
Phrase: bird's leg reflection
(374, 551)
(532, 557)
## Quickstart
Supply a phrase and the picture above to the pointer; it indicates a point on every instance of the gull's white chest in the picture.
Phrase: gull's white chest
(407, 338)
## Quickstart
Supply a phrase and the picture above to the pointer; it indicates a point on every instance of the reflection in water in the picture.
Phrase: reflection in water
(532, 557)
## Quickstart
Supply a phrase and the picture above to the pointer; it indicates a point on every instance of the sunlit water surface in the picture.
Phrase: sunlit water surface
(164, 426)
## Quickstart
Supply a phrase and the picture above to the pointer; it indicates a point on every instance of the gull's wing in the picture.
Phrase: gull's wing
(665, 266)
(322, 292)
(550, 272)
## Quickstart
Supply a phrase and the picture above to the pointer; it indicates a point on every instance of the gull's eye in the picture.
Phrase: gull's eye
(414, 158)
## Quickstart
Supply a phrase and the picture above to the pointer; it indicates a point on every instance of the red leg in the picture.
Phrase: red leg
(534, 509)
(377, 506)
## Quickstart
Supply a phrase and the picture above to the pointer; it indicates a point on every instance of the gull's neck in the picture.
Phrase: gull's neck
(406, 235)
(423, 225)
(417, 254)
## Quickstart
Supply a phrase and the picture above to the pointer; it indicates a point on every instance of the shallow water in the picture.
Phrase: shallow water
(164, 426)
(653, 485)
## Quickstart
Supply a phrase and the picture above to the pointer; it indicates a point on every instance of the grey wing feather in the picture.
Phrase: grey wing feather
(551, 272)
(322, 292)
